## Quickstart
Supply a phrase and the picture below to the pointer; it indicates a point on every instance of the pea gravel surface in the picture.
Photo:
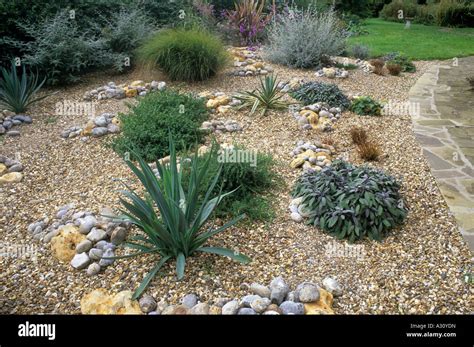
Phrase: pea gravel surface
(417, 269)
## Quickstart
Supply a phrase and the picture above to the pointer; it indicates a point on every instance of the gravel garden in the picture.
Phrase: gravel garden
(233, 160)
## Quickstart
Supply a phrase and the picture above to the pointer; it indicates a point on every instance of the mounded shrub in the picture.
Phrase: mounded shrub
(400, 59)
(146, 127)
(304, 39)
(312, 92)
(351, 202)
(185, 55)
(360, 51)
(250, 179)
(366, 106)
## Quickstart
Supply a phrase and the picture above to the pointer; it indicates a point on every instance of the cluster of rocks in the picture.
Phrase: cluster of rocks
(312, 156)
(317, 116)
(106, 123)
(219, 102)
(293, 84)
(248, 63)
(220, 126)
(332, 72)
(275, 299)
(10, 170)
(82, 238)
(113, 91)
(9, 119)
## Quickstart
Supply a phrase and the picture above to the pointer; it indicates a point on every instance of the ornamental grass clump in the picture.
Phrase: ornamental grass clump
(351, 202)
(172, 216)
(185, 54)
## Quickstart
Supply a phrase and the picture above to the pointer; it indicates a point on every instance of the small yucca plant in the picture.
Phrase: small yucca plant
(176, 231)
(17, 93)
(266, 98)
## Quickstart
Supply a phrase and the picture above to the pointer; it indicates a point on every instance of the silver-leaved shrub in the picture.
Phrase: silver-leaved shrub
(303, 39)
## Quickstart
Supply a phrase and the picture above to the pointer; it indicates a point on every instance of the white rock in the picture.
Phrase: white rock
(332, 286)
(80, 261)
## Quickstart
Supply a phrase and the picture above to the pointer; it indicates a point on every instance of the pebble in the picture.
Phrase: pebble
(93, 269)
(295, 216)
(200, 309)
(87, 224)
(230, 308)
(96, 235)
(83, 246)
(107, 254)
(279, 289)
(246, 311)
(147, 303)
(260, 290)
(259, 305)
(189, 300)
(118, 235)
(307, 292)
(292, 308)
(96, 253)
(332, 286)
(80, 261)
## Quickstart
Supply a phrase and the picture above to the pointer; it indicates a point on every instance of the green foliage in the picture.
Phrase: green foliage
(305, 39)
(248, 181)
(366, 106)
(185, 55)
(312, 92)
(391, 11)
(268, 97)
(177, 231)
(360, 51)
(351, 202)
(17, 93)
(400, 59)
(145, 127)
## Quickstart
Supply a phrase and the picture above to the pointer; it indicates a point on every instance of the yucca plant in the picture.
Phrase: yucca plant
(267, 97)
(18, 93)
(176, 232)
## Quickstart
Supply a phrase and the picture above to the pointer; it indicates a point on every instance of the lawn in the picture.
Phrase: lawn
(420, 42)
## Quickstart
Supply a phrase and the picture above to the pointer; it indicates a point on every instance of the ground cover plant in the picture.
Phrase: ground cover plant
(145, 127)
(351, 202)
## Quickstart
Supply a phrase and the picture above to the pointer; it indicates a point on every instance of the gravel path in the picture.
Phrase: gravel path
(419, 268)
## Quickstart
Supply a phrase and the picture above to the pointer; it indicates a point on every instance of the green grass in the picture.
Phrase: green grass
(420, 42)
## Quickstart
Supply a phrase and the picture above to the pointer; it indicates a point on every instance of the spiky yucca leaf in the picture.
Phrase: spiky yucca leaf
(267, 97)
(171, 217)
(17, 93)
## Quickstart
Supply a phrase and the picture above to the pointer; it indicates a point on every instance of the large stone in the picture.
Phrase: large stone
(307, 292)
(12, 177)
(93, 269)
(63, 245)
(147, 303)
(200, 309)
(292, 308)
(96, 235)
(260, 305)
(3, 168)
(87, 224)
(176, 310)
(279, 289)
(108, 253)
(332, 286)
(99, 131)
(230, 308)
(260, 290)
(322, 306)
(118, 235)
(100, 302)
(80, 261)
(189, 300)
(84, 246)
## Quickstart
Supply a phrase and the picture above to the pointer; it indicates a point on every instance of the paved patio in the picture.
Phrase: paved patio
(445, 129)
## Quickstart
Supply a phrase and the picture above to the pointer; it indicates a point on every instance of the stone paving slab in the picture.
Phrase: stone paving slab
(445, 129)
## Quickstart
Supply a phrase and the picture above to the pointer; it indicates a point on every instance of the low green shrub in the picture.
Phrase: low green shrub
(185, 55)
(177, 231)
(249, 179)
(145, 128)
(312, 92)
(392, 10)
(400, 59)
(366, 106)
(351, 202)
